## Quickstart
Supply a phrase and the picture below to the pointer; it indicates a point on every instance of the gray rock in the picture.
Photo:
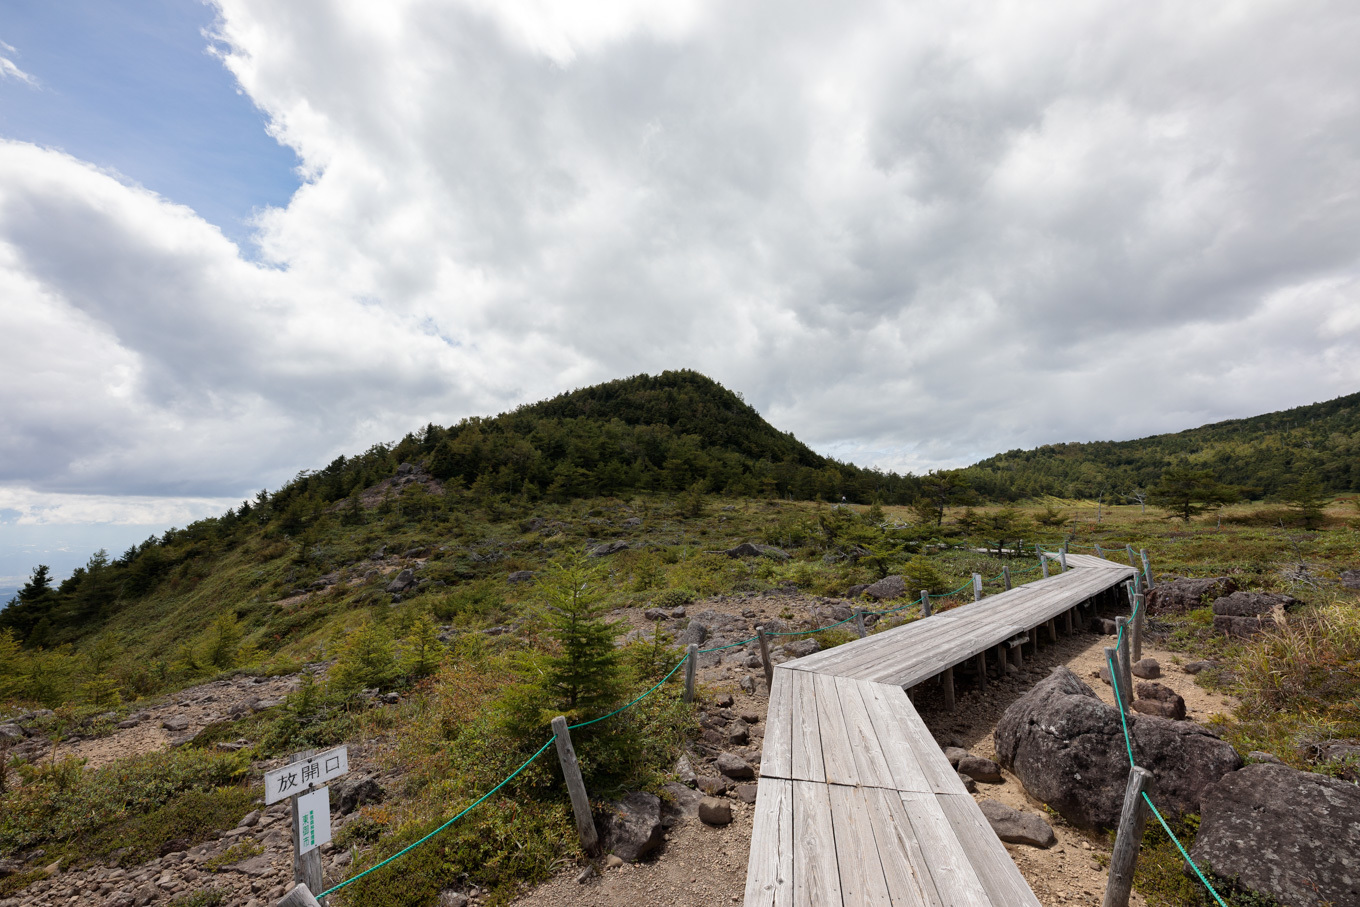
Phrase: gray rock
(980, 769)
(1182, 595)
(654, 614)
(632, 828)
(954, 754)
(352, 793)
(1067, 748)
(1350, 579)
(1289, 834)
(11, 733)
(694, 634)
(176, 724)
(713, 811)
(714, 787)
(734, 767)
(748, 683)
(738, 734)
(889, 587)
(608, 548)
(450, 898)
(802, 647)
(1195, 667)
(1259, 756)
(1246, 614)
(968, 783)
(405, 580)
(1147, 668)
(1015, 827)
(1158, 699)
(1103, 626)
(684, 771)
(856, 591)
(520, 576)
(678, 612)
(680, 801)
(747, 793)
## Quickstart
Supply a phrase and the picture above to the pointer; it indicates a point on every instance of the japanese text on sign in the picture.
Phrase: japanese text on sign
(298, 777)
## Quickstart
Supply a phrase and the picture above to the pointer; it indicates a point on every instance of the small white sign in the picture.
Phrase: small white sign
(314, 819)
(297, 778)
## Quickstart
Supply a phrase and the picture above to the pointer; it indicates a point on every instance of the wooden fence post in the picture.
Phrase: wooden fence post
(765, 657)
(1043, 562)
(925, 602)
(691, 664)
(1017, 653)
(859, 623)
(1099, 553)
(947, 682)
(1124, 665)
(306, 866)
(1139, 603)
(977, 587)
(1133, 559)
(1147, 569)
(1127, 840)
(576, 787)
(1006, 574)
(1062, 558)
(300, 896)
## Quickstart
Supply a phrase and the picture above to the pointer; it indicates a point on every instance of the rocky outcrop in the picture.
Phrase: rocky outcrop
(1245, 614)
(1067, 748)
(608, 548)
(405, 580)
(1182, 595)
(632, 828)
(1160, 700)
(889, 587)
(1292, 835)
(748, 549)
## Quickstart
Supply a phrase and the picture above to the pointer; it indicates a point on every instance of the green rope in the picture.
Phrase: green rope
(1177, 842)
(1114, 682)
(408, 848)
(729, 646)
(573, 727)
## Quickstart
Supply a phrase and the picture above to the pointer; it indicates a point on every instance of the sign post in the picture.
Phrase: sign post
(303, 782)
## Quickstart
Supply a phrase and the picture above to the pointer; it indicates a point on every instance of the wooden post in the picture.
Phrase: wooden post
(859, 623)
(765, 657)
(1001, 661)
(300, 896)
(576, 787)
(977, 587)
(980, 662)
(1067, 621)
(1133, 560)
(1052, 630)
(1099, 553)
(1139, 602)
(1017, 654)
(1006, 574)
(691, 664)
(1125, 666)
(947, 681)
(1147, 569)
(1128, 839)
(1116, 682)
(1137, 584)
(306, 866)
(1128, 590)
(1043, 562)
(1062, 558)
(925, 602)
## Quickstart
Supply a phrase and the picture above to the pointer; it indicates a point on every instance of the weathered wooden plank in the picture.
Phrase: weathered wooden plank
(837, 756)
(950, 869)
(776, 760)
(907, 774)
(807, 762)
(862, 880)
(939, 774)
(871, 763)
(986, 854)
(769, 876)
(904, 863)
(816, 877)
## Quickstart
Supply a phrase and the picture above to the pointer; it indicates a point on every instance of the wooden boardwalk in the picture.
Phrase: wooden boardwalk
(857, 804)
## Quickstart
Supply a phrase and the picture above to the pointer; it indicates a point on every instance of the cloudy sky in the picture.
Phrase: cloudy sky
(240, 238)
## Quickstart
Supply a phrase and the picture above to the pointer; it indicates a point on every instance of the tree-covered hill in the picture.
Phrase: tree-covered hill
(1264, 456)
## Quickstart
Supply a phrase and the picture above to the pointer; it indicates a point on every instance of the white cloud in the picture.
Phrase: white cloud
(913, 234)
(10, 70)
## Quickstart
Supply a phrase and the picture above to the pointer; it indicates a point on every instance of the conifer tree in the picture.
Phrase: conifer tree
(584, 673)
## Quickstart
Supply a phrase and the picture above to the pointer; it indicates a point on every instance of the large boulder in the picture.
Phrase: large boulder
(405, 580)
(1292, 835)
(1182, 595)
(889, 587)
(1067, 748)
(748, 549)
(1246, 614)
(352, 793)
(632, 827)
(608, 548)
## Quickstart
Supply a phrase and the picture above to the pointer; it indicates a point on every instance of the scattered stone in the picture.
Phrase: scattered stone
(127, 724)
(747, 793)
(678, 612)
(1259, 756)
(613, 861)
(738, 734)
(1285, 833)
(954, 754)
(585, 875)
(724, 700)
(405, 580)
(714, 787)
(685, 771)
(889, 587)
(1158, 699)
(856, 591)
(520, 576)
(750, 716)
(802, 647)
(1147, 668)
(1182, 595)
(694, 634)
(176, 724)
(748, 683)
(450, 898)
(1067, 748)
(608, 548)
(632, 829)
(680, 801)
(352, 793)
(713, 811)
(654, 614)
(11, 733)
(1350, 579)
(1015, 827)
(734, 767)
(980, 769)
(1103, 626)
(968, 783)
(1195, 667)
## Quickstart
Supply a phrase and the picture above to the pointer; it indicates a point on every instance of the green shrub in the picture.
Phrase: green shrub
(673, 598)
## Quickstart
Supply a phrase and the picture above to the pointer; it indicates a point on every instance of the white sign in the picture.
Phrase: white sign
(297, 778)
(314, 819)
